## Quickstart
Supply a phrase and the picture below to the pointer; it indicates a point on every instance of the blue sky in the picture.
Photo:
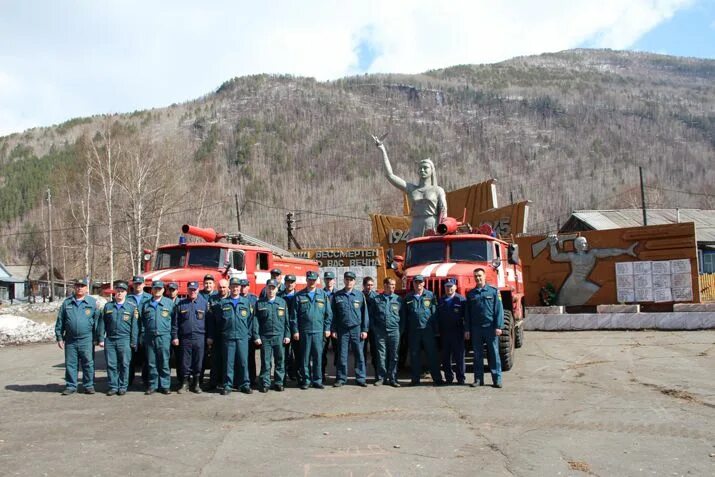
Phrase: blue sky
(60, 60)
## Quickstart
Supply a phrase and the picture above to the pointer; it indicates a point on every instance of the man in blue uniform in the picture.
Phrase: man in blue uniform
(235, 326)
(484, 320)
(292, 353)
(329, 289)
(310, 322)
(387, 322)
(75, 331)
(155, 333)
(450, 321)
(139, 296)
(420, 311)
(119, 322)
(246, 292)
(188, 331)
(350, 326)
(275, 275)
(213, 337)
(271, 331)
(368, 289)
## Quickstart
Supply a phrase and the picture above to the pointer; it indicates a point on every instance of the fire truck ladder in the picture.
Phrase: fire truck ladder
(245, 239)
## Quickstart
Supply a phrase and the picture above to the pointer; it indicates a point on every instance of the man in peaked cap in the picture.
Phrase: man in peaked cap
(188, 330)
(245, 285)
(172, 292)
(292, 352)
(155, 333)
(450, 322)
(310, 322)
(271, 331)
(118, 333)
(235, 325)
(350, 326)
(420, 311)
(137, 294)
(329, 288)
(75, 331)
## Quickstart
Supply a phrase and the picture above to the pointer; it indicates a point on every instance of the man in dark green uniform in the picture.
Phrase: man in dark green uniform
(271, 331)
(329, 289)
(213, 337)
(420, 311)
(75, 331)
(368, 289)
(484, 319)
(155, 333)
(172, 292)
(246, 292)
(387, 323)
(310, 322)
(292, 352)
(119, 322)
(139, 296)
(235, 326)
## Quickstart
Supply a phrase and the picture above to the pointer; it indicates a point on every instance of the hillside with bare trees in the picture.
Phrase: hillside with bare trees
(567, 130)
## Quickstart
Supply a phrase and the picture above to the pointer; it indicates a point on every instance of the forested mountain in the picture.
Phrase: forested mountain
(567, 130)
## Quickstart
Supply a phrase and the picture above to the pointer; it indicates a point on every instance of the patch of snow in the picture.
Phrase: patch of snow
(17, 329)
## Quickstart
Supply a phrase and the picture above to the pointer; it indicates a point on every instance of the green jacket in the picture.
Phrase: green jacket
(271, 319)
(77, 320)
(311, 316)
(119, 323)
(155, 321)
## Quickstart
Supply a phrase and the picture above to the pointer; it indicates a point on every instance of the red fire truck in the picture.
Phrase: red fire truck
(239, 256)
(453, 253)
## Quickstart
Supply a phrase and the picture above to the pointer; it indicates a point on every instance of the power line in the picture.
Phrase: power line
(304, 211)
(118, 222)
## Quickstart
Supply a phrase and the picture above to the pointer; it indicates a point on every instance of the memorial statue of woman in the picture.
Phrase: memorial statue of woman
(428, 202)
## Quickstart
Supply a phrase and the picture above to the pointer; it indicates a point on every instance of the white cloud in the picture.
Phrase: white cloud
(66, 59)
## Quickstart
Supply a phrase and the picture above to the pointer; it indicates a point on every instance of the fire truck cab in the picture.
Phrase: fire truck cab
(185, 262)
(453, 253)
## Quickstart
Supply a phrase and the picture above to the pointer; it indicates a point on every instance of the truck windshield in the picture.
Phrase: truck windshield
(209, 257)
(170, 258)
(425, 252)
(469, 251)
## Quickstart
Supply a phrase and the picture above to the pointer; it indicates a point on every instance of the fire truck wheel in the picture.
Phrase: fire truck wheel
(519, 337)
(506, 342)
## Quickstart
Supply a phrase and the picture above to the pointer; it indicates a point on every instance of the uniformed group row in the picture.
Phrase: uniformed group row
(293, 330)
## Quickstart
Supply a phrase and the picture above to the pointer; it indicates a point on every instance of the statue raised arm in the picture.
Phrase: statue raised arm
(428, 201)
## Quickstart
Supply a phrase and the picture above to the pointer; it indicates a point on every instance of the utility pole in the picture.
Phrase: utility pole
(645, 217)
(290, 222)
(52, 258)
(238, 213)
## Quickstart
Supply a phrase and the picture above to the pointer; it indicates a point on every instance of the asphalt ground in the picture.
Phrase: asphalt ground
(576, 403)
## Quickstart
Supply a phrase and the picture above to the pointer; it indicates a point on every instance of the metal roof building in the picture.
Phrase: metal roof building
(704, 219)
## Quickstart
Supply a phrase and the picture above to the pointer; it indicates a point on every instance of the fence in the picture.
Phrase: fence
(707, 287)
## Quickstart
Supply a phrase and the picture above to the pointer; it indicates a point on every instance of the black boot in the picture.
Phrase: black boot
(184, 386)
(195, 386)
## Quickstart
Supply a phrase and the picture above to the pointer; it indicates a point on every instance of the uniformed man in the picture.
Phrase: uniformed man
(188, 331)
(292, 352)
(271, 331)
(236, 328)
(275, 275)
(310, 323)
(172, 292)
(209, 287)
(329, 289)
(118, 333)
(76, 332)
(213, 337)
(450, 322)
(484, 320)
(420, 310)
(139, 296)
(387, 323)
(350, 326)
(368, 289)
(245, 287)
(155, 333)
